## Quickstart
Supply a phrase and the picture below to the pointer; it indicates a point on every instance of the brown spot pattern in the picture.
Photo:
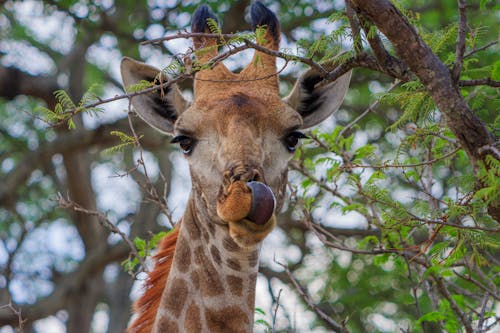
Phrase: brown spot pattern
(235, 285)
(199, 255)
(192, 229)
(211, 228)
(183, 256)
(210, 283)
(233, 264)
(228, 319)
(195, 279)
(215, 254)
(167, 325)
(176, 296)
(253, 258)
(192, 321)
(206, 236)
(251, 290)
(230, 245)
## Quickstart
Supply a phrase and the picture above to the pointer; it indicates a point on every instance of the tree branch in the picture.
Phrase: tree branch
(436, 78)
(482, 48)
(478, 82)
(355, 28)
(65, 142)
(462, 33)
(104, 221)
(14, 82)
(93, 263)
(338, 327)
(433, 74)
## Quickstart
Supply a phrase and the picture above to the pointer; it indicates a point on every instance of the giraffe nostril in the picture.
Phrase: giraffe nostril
(243, 172)
(257, 177)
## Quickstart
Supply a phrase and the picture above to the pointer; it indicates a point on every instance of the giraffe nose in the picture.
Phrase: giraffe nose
(243, 172)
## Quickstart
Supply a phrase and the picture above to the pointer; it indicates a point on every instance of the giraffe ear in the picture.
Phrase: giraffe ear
(313, 103)
(158, 110)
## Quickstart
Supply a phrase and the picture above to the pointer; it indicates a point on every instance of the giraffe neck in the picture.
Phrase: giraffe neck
(211, 285)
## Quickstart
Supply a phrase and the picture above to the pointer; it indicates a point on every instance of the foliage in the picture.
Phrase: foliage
(420, 251)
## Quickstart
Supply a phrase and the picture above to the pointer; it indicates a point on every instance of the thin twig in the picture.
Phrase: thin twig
(443, 290)
(492, 149)
(371, 108)
(482, 48)
(393, 65)
(105, 222)
(248, 43)
(339, 327)
(479, 82)
(355, 28)
(149, 188)
(481, 316)
(490, 289)
(462, 34)
(275, 312)
(187, 35)
(18, 314)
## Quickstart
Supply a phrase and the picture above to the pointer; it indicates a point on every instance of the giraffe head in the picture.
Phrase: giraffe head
(238, 134)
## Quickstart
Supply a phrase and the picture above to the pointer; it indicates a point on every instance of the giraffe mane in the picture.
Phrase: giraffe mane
(147, 305)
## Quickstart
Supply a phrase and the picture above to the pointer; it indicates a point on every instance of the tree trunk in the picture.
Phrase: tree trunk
(81, 304)
(433, 74)
(473, 136)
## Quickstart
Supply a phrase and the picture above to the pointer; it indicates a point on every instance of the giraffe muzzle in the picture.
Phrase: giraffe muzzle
(248, 208)
(263, 203)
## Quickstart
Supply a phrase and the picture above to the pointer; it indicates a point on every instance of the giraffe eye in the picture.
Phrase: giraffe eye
(185, 142)
(292, 139)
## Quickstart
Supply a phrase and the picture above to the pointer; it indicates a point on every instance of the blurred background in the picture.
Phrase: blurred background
(64, 270)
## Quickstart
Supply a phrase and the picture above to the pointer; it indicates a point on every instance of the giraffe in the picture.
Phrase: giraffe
(238, 136)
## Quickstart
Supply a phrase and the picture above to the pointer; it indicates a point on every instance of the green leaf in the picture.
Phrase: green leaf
(158, 237)
(495, 73)
(140, 244)
(381, 259)
(482, 4)
(369, 241)
(354, 207)
(364, 151)
(213, 26)
(71, 124)
(260, 311)
(433, 317)
(141, 85)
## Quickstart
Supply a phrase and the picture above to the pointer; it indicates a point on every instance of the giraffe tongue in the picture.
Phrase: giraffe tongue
(263, 203)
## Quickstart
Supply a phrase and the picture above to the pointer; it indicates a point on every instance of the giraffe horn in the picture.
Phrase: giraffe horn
(206, 48)
(264, 65)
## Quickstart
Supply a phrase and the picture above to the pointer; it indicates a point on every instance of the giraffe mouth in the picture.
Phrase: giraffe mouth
(248, 209)
(263, 203)
(253, 201)
(246, 204)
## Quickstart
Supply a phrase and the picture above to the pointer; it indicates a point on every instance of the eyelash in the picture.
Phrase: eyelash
(291, 140)
(185, 142)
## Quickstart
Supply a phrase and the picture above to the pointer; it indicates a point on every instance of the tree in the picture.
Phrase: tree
(397, 198)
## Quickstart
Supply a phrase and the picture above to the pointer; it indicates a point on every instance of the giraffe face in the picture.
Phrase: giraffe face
(240, 137)
(238, 129)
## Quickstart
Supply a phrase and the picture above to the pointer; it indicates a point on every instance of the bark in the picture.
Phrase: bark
(81, 303)
(231, 21)
(433, 74)
(14, 82)
(118, 299)
(437, 78)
